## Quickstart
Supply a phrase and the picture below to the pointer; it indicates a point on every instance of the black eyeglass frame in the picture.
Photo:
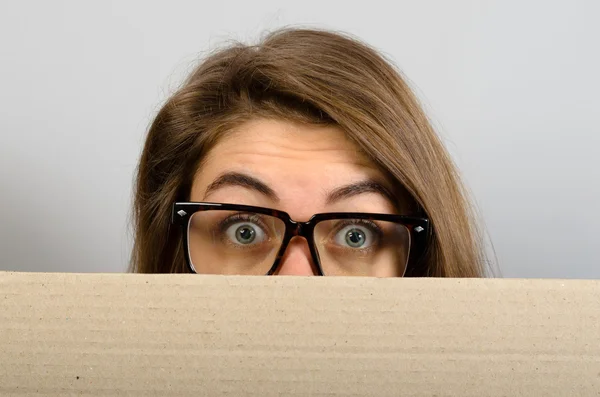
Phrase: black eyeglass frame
(417, 227)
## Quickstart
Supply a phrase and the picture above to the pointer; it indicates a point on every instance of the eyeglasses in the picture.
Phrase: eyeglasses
(247, 240)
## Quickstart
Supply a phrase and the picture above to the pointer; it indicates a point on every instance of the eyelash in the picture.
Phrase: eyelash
(363, 222)
(241, 217)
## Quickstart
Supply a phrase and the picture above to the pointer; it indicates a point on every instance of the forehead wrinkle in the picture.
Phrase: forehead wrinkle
(335, 156)
(266, 138)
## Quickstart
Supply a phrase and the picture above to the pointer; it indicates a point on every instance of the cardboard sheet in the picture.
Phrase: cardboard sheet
(191, 335)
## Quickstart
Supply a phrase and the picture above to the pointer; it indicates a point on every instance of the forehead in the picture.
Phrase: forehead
(272, 147)
(300, 163)
(287, 140)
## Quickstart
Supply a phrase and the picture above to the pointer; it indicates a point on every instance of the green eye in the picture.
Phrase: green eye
(245, 234)
(355, 236)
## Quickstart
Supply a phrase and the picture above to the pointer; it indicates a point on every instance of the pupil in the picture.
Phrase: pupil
(355, 238)
(245, 234)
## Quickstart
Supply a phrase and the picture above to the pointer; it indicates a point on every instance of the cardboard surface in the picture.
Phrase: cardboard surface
(190, 335)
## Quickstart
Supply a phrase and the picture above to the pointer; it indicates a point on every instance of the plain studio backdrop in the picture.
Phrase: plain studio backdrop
(511, 86)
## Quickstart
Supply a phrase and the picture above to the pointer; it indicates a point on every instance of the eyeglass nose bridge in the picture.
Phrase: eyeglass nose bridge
(298, 229)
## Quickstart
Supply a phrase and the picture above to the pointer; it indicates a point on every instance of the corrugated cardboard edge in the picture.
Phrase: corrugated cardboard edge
(151, 335)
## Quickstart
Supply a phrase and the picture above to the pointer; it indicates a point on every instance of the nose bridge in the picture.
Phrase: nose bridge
(297, 258)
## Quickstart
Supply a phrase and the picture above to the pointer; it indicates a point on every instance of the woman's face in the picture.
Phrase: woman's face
(299, 169)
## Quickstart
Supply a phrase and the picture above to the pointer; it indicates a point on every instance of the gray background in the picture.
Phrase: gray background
(512, 87)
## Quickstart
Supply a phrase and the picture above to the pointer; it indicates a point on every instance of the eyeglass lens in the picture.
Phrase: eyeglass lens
(246, 243)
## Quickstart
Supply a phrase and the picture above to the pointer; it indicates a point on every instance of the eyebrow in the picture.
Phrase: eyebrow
(241, 180)
(344, 192)
(355, 189)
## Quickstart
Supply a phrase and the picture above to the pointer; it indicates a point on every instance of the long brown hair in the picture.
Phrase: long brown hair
(308, 76)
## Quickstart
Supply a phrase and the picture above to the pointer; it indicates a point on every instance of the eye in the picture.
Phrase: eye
(356, 236)
(245, 233)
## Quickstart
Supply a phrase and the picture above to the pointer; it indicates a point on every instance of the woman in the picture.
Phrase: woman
(261, 138)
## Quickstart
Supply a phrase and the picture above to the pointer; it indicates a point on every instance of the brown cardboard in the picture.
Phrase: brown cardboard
(190, 335)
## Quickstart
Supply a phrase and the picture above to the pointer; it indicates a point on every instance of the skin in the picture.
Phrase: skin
(302, 165)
